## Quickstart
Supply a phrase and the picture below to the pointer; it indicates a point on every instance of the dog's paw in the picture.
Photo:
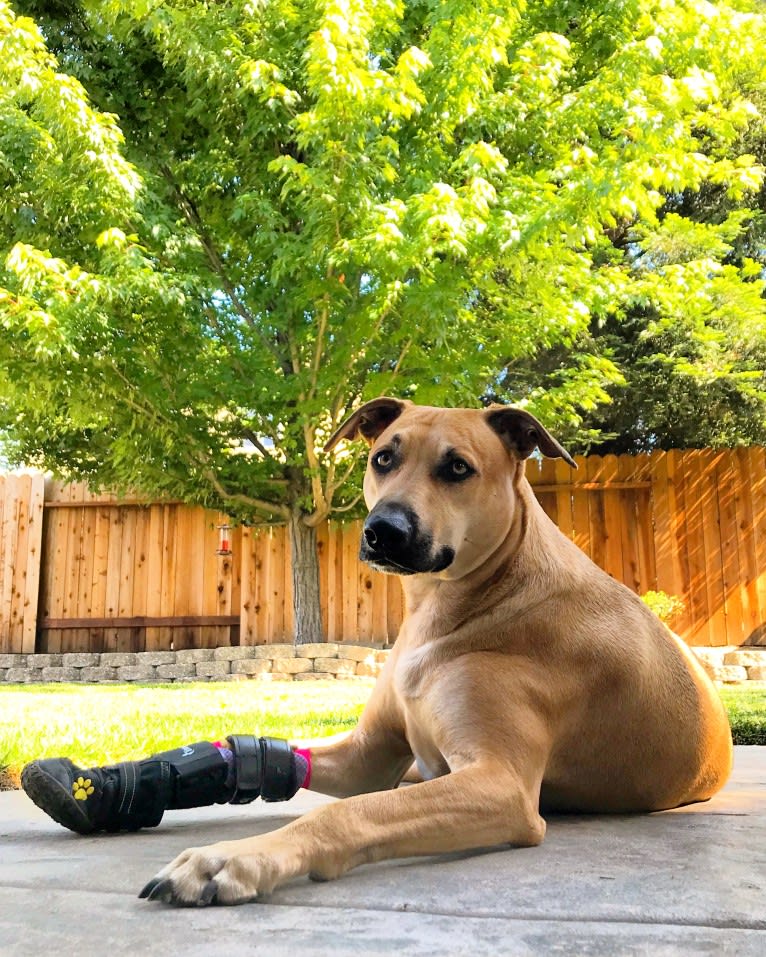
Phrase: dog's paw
(232, 872)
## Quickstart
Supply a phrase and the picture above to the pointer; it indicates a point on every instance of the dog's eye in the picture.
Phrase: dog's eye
(383, 461)
(455, 470)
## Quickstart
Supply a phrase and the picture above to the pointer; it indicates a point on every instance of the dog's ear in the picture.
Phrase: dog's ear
(522, 433)
(369, 421)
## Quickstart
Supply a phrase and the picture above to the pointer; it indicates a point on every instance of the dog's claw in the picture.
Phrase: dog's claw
(147, 889)
(159, 889)
(208, 895)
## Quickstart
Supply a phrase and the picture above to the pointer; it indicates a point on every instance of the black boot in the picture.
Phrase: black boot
(135, 794)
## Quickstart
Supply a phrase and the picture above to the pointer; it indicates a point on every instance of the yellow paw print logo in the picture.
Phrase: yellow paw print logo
(82, 788)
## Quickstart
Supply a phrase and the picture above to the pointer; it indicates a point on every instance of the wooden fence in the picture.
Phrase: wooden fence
(80, 571)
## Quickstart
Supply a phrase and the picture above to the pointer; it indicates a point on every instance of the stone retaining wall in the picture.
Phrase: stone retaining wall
(733, 665)
(281, 662)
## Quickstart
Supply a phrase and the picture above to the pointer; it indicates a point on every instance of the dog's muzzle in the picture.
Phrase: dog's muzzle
(392, 541)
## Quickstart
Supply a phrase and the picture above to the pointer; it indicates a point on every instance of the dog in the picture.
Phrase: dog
(524, 679)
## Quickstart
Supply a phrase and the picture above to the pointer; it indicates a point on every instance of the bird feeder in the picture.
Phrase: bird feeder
(224, 539)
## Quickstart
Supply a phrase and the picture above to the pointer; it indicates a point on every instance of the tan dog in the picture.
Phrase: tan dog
(523, 679)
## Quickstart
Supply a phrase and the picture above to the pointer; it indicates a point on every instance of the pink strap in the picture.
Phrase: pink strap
(305, 753)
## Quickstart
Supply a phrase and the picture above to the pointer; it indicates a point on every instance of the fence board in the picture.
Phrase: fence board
(733, 594)
(748, 563)
(757, 462)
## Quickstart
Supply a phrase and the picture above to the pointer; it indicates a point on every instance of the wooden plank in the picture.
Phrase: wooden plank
(596, 514)
(350, 583)
(335, 583)
(694, 529)
(665, 510)
(113, 570)
(612, 521)
(154, 553)
(748, 564)
(141, 568)
(165, 636)
(101, 499)
(679, 539)
(143, 621)
(288, 626)
(757, 463)
(8, 548)
(262, 540)
(275, 613)
(218, 582)
(236, 581)
(322, 552)
(627, 505)
(84, 596)
(17, 562)
(711, 528)
(564, 503)
(247, 599)
(99, 572)
(49, 594)
(74, 547)
(34, 563)
(580, 517)
(726, 479)
(647, 566)
(365, 618)
(589, 486)
(195, 563)
(210, 565)
(127, 641)
(182, 587)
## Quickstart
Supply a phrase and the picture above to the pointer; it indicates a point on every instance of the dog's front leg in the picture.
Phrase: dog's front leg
(480, 805)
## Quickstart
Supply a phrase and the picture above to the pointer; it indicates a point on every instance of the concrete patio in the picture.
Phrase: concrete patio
(690, 881)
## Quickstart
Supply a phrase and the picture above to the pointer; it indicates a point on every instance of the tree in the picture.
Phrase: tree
(222, 225)
(693, 353)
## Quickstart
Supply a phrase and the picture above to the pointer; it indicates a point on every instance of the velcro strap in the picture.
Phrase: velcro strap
(279, 778)
(145, 791)
(248, 757)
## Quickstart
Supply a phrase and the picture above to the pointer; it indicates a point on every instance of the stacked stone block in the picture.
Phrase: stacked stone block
(280, 662)
(277, 662)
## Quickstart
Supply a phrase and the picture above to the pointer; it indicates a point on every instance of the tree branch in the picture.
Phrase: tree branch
(194, 219)
(261, 505)
(253, 438)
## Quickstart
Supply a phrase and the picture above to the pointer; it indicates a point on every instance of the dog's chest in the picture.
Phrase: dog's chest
(418, 719)
(430, 760)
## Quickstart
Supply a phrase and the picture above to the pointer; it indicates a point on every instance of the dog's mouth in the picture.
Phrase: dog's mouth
(381, 562)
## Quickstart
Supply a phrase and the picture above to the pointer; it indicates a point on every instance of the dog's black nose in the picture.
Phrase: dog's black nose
(389, 529)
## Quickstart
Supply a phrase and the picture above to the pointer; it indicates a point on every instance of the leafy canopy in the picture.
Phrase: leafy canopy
(223, 224)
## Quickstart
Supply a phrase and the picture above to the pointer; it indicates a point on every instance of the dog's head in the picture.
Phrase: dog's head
(440, 483)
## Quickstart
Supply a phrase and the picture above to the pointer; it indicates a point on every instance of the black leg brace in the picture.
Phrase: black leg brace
(135, 794)
(264, 767)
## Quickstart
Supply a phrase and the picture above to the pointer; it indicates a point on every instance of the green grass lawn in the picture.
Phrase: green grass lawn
(747, 714)
(101, 724)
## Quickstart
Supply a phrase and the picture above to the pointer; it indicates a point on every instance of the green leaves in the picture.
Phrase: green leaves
(222, 225)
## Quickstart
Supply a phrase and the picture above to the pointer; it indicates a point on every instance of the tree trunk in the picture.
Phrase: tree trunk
(305, 569)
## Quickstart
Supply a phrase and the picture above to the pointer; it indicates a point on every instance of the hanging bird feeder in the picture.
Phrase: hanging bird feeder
(224, 540)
